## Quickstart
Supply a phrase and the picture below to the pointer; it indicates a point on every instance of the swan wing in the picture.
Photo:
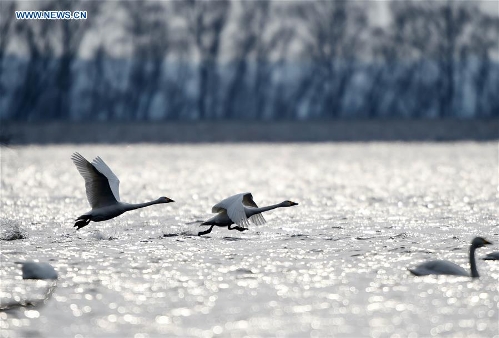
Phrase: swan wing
(99, 193)
(114, 182)
(439, 267)
(226, 203)
(234, 207)
(256, 219)
(248, 200)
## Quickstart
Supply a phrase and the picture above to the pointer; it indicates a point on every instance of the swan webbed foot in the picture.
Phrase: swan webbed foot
(80, 223)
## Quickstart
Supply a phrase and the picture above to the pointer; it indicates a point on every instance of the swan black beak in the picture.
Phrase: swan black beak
(294, 203)
(486, 242)
(169, 200)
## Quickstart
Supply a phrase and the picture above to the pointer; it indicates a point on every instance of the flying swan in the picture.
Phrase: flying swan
(102, 187)
(239, 209)
(440, 267)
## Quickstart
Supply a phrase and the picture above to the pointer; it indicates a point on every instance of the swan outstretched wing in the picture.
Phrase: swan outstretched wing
(247, 199)
(97, 185)
(226, 203)
(114, 182)
(235, 209)
(256, 219)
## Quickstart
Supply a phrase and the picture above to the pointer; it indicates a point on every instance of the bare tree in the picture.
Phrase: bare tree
(7, 20)
(450, 22)
(436, 39)
(243, 43)
(333, 41)
(378, 76)
(150, 36)
(250, 89)
(408, 47)
(483, 41)
(102, 93)
(271, 58)
(313, 59)
(71, 34)
(37, 77)
(205, 22)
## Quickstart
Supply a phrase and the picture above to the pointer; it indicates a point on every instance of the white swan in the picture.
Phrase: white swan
(493, 256)
(239, 209)
(34, 270)
(439, 267)
(102, 187)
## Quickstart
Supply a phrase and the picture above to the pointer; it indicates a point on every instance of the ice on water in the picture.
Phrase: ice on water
(336, 265)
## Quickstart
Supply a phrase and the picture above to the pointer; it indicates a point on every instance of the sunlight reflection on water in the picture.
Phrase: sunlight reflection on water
(334, 265)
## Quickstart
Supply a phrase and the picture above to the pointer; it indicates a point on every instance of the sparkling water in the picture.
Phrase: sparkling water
(335, 265)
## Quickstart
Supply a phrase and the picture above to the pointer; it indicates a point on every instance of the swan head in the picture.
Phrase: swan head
(479, 242)
(165, 200)
(289, 203)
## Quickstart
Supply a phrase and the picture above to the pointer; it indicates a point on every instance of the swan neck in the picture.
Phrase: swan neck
(253, 211)
(132, 206)
(474, 270)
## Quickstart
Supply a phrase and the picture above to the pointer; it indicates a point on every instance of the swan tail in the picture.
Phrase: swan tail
(208, 222)
(82, 221)
(414, 272)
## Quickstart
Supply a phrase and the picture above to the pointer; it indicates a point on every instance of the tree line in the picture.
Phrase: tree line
(261, 60)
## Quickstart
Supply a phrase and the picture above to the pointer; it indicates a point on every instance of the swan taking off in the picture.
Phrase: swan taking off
(439, 267)
(103, 194)
(34, 270)
(239, 209)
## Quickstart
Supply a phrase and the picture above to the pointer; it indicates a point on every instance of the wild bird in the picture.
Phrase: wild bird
(239, 209)
(492, 256)
(102, 188)
(440, 267)
(35, 270)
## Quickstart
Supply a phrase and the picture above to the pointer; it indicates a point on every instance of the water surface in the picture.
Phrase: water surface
(336, 265)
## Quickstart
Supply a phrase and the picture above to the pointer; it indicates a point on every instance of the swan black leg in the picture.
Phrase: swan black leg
(205, 232)
(238, 228)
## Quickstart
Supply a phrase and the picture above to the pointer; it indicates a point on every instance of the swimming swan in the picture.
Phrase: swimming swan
(440, 267)
(492, 256)
(34, 270)
(102, 187)
(239, 209)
